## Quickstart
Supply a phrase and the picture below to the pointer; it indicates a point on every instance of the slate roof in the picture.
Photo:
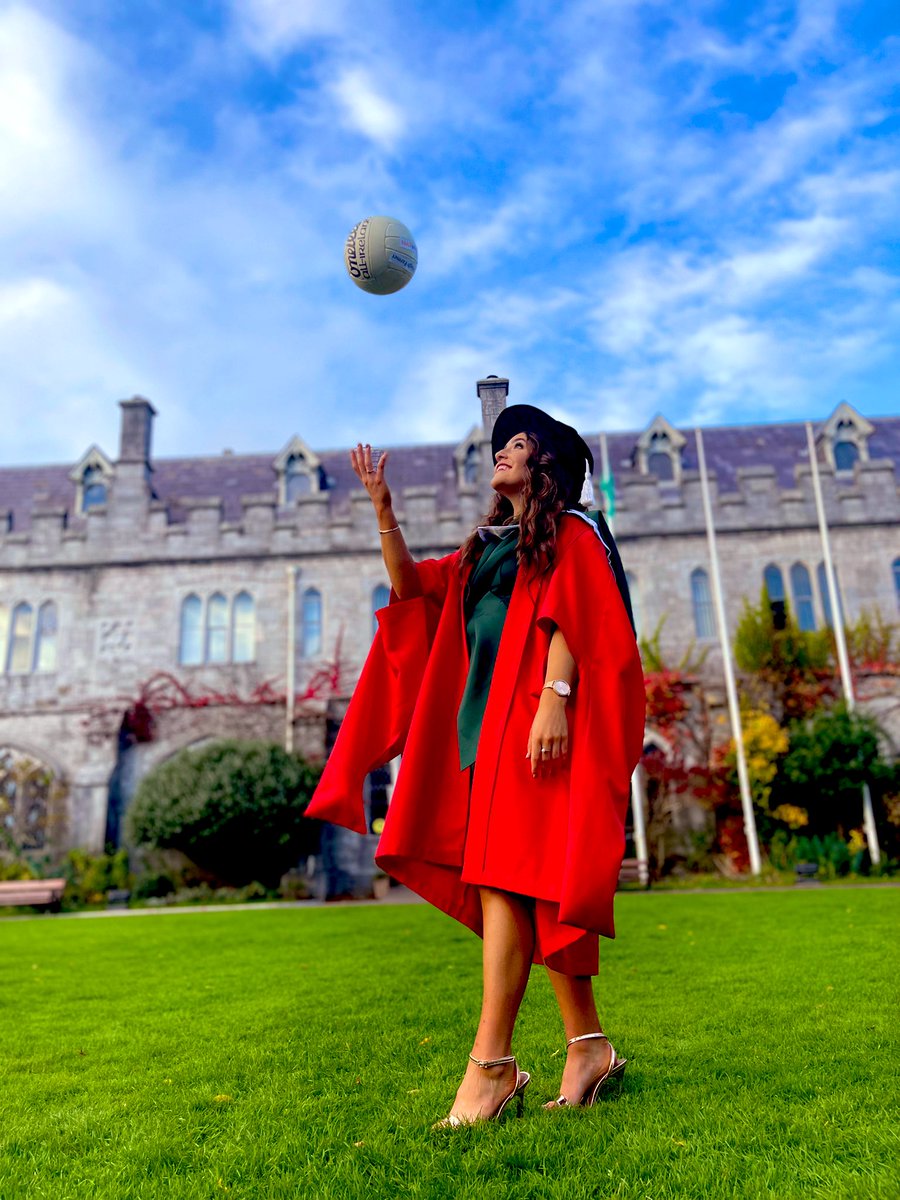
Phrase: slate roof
(231, 476)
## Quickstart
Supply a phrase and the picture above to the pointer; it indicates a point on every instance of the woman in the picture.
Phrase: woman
(508, 675)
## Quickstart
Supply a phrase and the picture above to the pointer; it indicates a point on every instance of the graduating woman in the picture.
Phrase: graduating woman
(508, 675)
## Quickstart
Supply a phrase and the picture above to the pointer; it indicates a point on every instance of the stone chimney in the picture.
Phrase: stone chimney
(492, 393)
(137, 427)
(132, 489)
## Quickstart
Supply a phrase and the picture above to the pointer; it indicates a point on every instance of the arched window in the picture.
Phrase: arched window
(381, 597)
(93, 488)
(826, 595)
(243, 629)
(773, 581)
(297, 480)
(896, 570)
(190, 644)
(801, 586)
(27, 789)
(217, 629)
(471, 465)
(701, 599)
(846, 455)
(18, 658)
(659, 463)
(45, 639)
(4, 635)
(634, 593)
(311, 623)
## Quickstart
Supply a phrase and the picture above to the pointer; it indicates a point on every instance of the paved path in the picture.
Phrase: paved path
(396, 895)
(402, 895)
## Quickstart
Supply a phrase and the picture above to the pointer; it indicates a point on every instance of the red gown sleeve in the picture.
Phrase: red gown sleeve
(378, 717)
(606, 721)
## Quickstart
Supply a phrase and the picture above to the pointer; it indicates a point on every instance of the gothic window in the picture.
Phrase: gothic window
(896, 569)
(27, 790)
(701, 600)
(311, 623)
(217, 629)
(243, 629)
(18, 659)
(801, 586)
(297, 478)
(190, 645)
(826, 595)
(93, 488)
(381, 597)
(471, 464)
(658, 451)
(45, 639)
(845, 438)
(773, 581)
(634, 593)
(846, 455)
(659, 463)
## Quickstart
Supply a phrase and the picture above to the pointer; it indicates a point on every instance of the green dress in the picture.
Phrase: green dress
(486, 603)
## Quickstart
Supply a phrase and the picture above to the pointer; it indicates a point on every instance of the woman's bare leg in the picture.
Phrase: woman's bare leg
(585, 1061)
(506, 961)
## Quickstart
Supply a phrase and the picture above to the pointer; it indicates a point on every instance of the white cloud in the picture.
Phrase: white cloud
(276, 27)
(366, 110)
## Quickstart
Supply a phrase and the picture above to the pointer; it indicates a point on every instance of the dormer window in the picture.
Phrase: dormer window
(92, 476)
(846, 451)
(844, 439)
(299, 473)
(93, 485)
(297, 479)
(467, 457)
(658, 451)
(659, 458)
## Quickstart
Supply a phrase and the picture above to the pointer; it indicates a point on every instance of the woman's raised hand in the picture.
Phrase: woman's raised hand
(371, 476)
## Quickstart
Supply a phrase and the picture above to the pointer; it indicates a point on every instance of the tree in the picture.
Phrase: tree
(832, 754)
(236, 809)
(788, 669)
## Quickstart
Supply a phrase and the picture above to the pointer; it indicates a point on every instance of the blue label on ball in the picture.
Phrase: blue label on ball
(399, 261)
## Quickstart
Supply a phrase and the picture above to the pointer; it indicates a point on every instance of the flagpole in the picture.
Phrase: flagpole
(840, 635)
(730, 687)
(638, 791)
(290, 666)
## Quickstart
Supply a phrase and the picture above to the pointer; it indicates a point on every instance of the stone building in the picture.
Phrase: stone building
(149, 604)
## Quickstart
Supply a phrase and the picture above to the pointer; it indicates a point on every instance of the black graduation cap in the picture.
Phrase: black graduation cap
(571, 450)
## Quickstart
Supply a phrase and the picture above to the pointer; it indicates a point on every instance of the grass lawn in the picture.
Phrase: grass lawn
(305, 1053)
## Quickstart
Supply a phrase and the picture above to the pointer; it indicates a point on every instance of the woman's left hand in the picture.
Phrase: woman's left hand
(548, 742)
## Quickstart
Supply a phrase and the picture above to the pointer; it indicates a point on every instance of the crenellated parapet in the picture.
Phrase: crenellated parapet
(645, 505)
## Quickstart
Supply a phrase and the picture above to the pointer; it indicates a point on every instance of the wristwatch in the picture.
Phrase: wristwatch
(560, 686)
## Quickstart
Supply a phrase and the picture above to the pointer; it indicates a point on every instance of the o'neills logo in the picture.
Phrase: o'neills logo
(355, 251)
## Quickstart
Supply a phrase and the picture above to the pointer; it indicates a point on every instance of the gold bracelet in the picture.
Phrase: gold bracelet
(393, 529)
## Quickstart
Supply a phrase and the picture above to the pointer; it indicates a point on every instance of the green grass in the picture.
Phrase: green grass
(305, 1053)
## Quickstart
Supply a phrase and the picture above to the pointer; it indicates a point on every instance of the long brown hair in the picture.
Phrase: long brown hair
(546, 495)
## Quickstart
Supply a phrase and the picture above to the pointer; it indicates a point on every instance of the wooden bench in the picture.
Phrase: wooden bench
(37, 893)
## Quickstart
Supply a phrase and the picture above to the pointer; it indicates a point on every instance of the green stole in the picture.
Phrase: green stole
(486, 602)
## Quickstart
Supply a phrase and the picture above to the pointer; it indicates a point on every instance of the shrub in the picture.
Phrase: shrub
(831, 756)
(90, 876)
(233, 808)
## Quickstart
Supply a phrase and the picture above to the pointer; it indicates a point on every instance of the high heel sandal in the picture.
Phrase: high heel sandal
(615, 1070)
(522, 1080)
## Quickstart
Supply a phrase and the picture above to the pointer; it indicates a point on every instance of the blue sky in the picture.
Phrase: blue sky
(627, 207)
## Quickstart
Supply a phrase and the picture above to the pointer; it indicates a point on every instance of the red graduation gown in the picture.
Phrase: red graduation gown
(559, 840)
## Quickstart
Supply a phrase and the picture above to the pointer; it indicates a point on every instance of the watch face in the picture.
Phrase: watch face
(561, 688)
